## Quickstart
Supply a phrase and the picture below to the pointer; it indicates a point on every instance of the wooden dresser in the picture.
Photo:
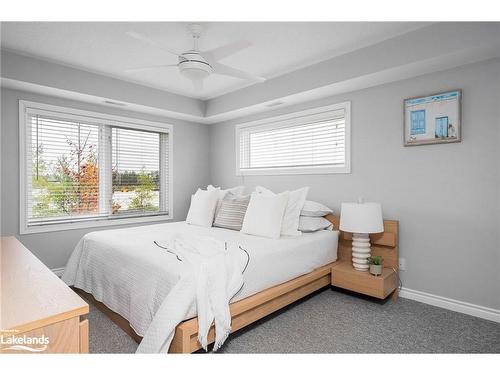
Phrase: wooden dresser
(38, 312)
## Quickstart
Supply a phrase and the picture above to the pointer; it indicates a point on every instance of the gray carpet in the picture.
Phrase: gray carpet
(331, 321)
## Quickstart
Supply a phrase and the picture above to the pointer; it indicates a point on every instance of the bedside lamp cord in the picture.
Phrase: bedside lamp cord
(399, 279)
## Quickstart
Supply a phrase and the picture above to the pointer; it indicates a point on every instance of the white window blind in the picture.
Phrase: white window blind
(137, 165)
(79, 168)
(63, 181)
(312, 142)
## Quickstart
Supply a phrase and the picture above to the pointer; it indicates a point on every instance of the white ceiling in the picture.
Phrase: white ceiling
(277, 47)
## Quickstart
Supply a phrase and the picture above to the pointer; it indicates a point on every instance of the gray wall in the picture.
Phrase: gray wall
(446, 197)
(190, 159)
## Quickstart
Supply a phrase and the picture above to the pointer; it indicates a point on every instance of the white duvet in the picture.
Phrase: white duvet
(129, 273)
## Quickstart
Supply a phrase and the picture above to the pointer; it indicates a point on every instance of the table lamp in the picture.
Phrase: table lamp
(361, 219)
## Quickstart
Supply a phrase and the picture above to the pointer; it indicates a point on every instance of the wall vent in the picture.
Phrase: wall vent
(115, 103)
(274, 104)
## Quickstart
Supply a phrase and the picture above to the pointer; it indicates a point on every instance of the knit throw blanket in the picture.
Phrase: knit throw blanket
(212, 276)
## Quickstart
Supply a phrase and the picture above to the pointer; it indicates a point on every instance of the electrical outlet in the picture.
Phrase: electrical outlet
(402, 264)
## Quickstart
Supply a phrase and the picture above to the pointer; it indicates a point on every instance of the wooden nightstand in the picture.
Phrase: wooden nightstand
(384, 244)
(346, 277)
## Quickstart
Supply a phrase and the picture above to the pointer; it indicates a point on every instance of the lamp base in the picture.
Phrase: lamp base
(360, 251)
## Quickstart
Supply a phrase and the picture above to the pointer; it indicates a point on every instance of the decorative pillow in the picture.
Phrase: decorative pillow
(237, 190)
(296, 200)
(231, 212)
(308, 224)
(265, 214)
(315, 209)
(202, 209)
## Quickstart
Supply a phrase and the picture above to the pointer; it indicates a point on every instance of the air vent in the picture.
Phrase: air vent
(274, 104)
(115, 103)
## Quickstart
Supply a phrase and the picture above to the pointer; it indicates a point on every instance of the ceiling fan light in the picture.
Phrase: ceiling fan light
(193, 66)
(195, 73)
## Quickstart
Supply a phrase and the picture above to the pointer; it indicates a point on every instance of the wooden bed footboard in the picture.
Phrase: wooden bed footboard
(253, 308)
(243, 312)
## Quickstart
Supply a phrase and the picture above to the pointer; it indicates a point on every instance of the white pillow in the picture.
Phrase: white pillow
(264, 215)
(237, 190)
(296, 200)
(315, 209)
(308, 224)
(202, 209)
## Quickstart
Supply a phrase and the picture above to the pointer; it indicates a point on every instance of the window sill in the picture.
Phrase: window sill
(93, 224)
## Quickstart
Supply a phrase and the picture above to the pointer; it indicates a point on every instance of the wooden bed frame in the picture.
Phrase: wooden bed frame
(259, 305)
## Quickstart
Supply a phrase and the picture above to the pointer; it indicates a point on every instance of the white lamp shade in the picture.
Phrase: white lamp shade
(361, 218)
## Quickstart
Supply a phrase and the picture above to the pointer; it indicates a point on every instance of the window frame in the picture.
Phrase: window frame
(99, 117)
(276, 122)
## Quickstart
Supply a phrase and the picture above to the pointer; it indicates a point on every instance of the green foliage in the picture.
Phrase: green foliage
(63, 191)
(124, 179)
(375, 260)
(128, 180)
(59, 194)
(143, 193)
(71, 184)
(39, 168)
(67, 186)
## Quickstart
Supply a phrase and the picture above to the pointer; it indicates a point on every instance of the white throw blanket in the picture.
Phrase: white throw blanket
(213, 274)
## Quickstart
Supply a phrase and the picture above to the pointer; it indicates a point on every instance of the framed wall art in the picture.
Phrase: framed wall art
(433, 119)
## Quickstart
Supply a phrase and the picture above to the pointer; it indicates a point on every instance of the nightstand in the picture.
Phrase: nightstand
(346, 277)
(383, 244)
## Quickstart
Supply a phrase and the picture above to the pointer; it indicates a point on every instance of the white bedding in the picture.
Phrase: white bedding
(126, 271)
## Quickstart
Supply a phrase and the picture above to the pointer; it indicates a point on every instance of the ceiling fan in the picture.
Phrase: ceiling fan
(198, 65)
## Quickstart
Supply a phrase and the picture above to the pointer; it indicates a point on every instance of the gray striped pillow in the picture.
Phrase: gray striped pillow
(231, 212)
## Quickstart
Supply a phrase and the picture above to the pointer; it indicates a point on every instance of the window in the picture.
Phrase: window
(136, 167)
(417, 122)
(310, 142)
(82, 169)
(441, 126)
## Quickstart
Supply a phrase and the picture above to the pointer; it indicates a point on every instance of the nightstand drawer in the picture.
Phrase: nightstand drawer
(346, 277)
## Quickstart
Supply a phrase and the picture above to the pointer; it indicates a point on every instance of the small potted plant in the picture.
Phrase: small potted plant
(375, 262)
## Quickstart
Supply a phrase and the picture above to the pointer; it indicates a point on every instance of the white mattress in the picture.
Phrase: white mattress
(126, 271)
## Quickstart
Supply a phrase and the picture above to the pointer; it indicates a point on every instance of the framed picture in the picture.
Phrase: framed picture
(433, 119)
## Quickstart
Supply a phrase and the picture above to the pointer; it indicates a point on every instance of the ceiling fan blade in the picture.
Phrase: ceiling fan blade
(233, 72)
(136, 70)
(198, 84)
(149, 41)
(227, 50)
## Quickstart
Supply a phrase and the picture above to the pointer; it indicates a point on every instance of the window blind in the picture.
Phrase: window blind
(137, 157)
(83, 168)
(317, 141)
(63, 169)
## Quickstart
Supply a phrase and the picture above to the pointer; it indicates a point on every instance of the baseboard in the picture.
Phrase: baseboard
(58, 271)
(452, 304)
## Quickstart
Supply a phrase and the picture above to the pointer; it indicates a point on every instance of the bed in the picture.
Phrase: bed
(127, 275)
